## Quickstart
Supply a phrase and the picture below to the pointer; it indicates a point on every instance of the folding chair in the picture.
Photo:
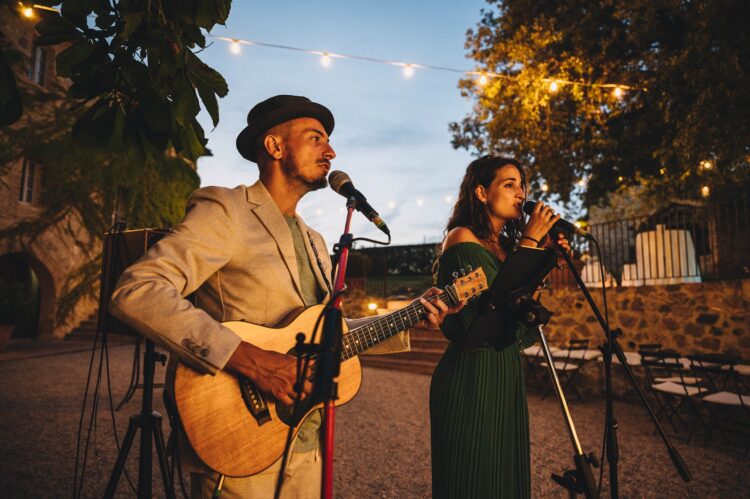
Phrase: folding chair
(574, 357)
(674, 388)
(729, 408)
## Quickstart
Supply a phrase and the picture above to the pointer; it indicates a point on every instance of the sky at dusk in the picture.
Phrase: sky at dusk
(391, 133)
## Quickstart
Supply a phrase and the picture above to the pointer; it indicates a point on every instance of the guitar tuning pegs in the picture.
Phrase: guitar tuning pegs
(463, 272)
(454, 275)
(470, 268)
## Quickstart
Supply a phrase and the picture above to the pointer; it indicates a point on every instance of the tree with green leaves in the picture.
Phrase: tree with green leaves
(680, 120)
(134, 65)
(131, 107)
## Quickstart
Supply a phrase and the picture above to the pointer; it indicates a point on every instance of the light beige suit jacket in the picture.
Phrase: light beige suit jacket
(235, 251)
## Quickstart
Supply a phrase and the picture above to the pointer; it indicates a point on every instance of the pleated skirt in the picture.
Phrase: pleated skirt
(480, 425)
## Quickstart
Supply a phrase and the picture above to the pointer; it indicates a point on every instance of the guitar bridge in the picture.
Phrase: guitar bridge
(254, 401)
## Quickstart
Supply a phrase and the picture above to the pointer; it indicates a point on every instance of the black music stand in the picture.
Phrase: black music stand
(148, 420)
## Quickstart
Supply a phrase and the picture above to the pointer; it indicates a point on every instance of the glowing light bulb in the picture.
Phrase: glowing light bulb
(325, 60)
(482, 80)
(408, 70)
(662, 171)
(544, 187)
(372, 306)
(705, 191)
(235, 47)
(618, 92)
(706, 164)
(28, 12)
(553, 87)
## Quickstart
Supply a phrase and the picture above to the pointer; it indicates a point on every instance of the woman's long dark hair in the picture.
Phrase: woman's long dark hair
(471, 213)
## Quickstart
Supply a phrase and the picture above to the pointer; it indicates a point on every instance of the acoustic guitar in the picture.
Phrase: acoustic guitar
(236, 430)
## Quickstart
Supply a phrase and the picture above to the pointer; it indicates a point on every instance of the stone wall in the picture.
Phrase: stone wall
(690, 318)
(60, 250)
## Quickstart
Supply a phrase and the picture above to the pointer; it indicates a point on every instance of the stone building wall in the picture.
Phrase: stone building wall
(56, 254)
(690, 318)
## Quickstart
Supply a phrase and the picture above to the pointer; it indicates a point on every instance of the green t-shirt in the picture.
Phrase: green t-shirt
(309, 433)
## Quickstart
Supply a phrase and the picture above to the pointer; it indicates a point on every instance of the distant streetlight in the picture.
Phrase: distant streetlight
(28, 12)
(553, 87)
(705, 191)
(325, 60)
(235, 47)
(408, 70)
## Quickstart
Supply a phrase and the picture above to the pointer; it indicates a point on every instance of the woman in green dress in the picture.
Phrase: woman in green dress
(478, 413)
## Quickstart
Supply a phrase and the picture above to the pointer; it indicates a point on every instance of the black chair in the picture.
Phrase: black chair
(728, 407)
(675, 389)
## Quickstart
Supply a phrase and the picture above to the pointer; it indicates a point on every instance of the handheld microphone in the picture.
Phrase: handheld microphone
(341, 183)
(561, 225)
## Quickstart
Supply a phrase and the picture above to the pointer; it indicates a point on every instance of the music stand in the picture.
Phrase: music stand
(147, 420)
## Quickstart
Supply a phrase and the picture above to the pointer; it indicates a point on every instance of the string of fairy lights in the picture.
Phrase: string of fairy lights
(482, 78)
(408, 69)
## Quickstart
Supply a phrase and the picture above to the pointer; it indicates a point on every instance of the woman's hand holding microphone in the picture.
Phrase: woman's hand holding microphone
(538, 226)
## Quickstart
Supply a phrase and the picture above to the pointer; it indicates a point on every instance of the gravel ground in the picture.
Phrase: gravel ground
(382, 436)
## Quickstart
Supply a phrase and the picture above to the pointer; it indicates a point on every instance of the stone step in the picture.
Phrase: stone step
(428, 344)
(392, 362)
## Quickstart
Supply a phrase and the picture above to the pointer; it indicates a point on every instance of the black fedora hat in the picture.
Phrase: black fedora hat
(279, 109)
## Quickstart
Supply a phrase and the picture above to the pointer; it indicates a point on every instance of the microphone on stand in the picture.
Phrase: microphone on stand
(561, 225)
(341, 183)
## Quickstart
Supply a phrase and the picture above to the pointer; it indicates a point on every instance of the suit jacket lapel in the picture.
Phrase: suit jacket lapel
(270, 216)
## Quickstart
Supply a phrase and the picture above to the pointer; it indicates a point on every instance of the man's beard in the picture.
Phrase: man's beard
(292, 169)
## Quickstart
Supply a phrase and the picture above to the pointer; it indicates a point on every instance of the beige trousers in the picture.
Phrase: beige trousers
(302, 480)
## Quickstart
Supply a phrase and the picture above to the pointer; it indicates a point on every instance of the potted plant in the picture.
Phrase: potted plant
(11, 298)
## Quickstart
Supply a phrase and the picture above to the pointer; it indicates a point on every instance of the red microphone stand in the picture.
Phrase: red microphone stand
(329, 357)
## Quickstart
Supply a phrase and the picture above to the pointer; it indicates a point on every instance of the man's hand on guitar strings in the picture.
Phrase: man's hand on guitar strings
(273, 373)
(435, 309)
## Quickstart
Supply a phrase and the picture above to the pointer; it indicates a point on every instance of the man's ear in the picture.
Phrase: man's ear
(272, 144)
(481, 194)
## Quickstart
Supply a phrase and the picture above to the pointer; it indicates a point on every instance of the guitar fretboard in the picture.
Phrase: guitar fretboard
(364, 337)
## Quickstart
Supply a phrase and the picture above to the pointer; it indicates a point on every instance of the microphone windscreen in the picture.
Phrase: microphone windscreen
(528, 207)
(337, 178)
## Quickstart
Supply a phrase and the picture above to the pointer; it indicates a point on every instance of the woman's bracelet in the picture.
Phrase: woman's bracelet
(530, 239)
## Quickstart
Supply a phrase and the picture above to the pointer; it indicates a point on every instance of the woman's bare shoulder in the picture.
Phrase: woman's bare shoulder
(459, 235)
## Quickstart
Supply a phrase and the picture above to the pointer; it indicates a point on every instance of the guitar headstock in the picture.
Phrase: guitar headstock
(468, 284)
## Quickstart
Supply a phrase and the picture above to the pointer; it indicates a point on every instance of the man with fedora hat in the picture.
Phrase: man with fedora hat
(247, 255)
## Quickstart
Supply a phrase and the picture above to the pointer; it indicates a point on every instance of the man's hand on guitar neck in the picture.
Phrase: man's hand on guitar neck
(273, 373)
(436, 309)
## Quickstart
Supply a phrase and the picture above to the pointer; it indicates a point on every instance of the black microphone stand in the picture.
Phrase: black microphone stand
(613, 347)
(535, 315)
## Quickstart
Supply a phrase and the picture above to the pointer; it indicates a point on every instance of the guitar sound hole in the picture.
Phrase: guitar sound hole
(292, 414)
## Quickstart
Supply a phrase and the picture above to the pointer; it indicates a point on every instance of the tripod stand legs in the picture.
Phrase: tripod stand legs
(149, 422)
(150, 429)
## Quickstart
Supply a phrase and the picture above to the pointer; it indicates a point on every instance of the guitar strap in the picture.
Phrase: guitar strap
(320, 263)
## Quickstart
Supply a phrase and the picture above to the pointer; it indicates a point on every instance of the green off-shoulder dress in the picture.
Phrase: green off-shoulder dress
(478, 413)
